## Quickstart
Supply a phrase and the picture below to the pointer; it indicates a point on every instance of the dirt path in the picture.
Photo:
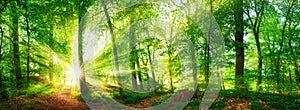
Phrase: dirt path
(62, 100)
(65, 100)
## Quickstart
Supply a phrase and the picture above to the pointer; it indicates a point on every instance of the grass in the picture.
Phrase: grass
(272, 101)
(131, 97)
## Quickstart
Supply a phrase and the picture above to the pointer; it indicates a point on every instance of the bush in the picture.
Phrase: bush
(194, 104)
(218, 104)
(3, 94)
(280, 101)
(131, 97)
(256, 105)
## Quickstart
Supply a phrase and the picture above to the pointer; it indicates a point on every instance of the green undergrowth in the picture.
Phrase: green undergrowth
(274, 101)
(25, 98)
(131, 97)
(40, 89)
(280, 101)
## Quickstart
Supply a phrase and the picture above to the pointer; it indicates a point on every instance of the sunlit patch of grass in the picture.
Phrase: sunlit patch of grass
(162, 99)
(40, 89)
(131, 97)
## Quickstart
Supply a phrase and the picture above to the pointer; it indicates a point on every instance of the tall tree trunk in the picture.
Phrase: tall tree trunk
(170, 67)
(281, 44)
(207, 48)
(1, 69)
(115, 52)
(170, 51)
(258, 85)
(15, 35)
(194, 64)
(82, 79)
(151, 67)
(239, 46)
(28, 44)
(133, 57)
(51, 63)
(259, 12)
(270, 61)
(294, 58)
(139, 73)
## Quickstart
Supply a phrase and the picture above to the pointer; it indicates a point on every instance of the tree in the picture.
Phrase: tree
(151, 57)
(294, 58)
(82, 7)
(115, 52)
(28, 42)
(1, 43)
(259, 8)
(170, 52)
(239, 45)
(133, 57)
(15, 35)
(291, 34)
(287, 16)
(139, 72)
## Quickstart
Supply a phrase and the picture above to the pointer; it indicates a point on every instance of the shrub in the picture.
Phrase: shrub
(256, 105)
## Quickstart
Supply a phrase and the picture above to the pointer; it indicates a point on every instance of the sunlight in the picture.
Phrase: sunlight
(71, 79)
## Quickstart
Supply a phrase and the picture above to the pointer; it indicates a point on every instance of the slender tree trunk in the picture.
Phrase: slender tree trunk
(170, 68)
(151, 67)
(28, 44)
(51, 63)
(133, 58)
(239, 46)
(258, 85)
(1, 69)
(294, 58)
(115, 52)
(281, 43)
(206, 66)
(259, 12)
(139, 73)
(278, 80)
(194, 64)
(16, 53)
(170, 51)
(82, 79)
(270, 62)
(207, 49)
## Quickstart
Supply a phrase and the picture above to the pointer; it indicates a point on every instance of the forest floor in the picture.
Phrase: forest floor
(65, 100)
(61, 100)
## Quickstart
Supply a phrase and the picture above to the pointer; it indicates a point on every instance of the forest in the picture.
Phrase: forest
(149, 54)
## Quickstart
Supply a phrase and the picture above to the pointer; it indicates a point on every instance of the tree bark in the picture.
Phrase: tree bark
(82, 79)
(133, 58)
(278, 80)
(239, 46)
(170, 67)
(1, 69)
(194, 64)
(294, 58)
(28, 45)
(51, 63)
(115, 52)
(207, 49)
(258, 85)
(15, 35)
(151, 67)
(259, 12)
(139, 73)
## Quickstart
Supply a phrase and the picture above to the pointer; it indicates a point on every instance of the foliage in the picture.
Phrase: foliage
(257, 105)
(131, 97)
